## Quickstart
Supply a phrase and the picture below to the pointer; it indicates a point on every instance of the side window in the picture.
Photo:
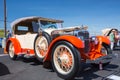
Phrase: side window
(22, 28)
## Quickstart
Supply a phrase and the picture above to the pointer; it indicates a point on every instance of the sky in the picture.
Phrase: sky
(96, 14)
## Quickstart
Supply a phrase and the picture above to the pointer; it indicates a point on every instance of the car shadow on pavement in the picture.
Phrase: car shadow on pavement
(32, 61)
(87, 72)
(4, 69)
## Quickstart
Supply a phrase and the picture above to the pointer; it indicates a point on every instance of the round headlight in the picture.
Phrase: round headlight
(94, 39)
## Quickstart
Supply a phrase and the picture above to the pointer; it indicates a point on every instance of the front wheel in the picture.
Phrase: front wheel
(65, 60)
(11, 51)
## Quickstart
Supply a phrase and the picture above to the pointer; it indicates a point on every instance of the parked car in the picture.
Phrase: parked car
(24, 32)
(64, 48)
(107, 32)
(1, 42)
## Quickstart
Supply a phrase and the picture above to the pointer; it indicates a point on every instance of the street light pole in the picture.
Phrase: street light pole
(5, 18)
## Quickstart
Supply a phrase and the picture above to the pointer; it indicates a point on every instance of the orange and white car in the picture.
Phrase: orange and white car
(24, 32)
(64, 48)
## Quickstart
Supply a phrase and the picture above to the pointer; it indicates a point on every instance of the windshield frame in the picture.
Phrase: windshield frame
(50, 23)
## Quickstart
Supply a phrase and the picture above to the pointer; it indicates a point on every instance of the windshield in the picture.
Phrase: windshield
(47, 24)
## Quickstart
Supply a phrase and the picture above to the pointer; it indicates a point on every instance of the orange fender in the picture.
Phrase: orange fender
(95, 51)
(104, 39)
(16, 44)
(72, 39)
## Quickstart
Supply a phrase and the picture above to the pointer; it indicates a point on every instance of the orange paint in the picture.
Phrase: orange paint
(16, 44)
(104, 39)
(72, 39)
(17, 47)
(95, 50)
(27, 51)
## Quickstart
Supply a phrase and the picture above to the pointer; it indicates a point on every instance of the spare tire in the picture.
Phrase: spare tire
(41, 45)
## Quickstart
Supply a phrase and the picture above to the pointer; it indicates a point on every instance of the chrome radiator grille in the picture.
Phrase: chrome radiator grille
(84, 35)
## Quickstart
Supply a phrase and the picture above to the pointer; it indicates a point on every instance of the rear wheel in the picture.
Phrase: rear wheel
(11, 51)
(41, 45)
(65, 60)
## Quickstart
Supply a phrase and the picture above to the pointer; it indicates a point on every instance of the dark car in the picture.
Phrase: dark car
(1, 42)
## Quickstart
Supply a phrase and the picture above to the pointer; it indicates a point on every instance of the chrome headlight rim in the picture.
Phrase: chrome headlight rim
(94, 39)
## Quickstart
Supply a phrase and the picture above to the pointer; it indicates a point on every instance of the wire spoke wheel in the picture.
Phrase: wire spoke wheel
(12, 51)
(41, 46)
(63, 59)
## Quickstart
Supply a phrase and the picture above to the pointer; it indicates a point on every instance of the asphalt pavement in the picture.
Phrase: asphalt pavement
(31, 69)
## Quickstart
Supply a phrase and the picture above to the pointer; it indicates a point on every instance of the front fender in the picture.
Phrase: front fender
(72, 39)
(16, 44)
(103, 39)
(95, 51)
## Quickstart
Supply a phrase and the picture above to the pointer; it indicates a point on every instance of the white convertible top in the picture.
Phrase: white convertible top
(105, 31)
(33, 18)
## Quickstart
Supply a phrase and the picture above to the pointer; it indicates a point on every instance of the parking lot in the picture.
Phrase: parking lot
(31, 69)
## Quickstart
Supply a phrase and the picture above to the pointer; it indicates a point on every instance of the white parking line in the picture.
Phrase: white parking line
(114, 77)
(3, 55)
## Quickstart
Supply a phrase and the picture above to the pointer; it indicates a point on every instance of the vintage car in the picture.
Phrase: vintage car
(64, 48)
(107, 32)
(24, 32)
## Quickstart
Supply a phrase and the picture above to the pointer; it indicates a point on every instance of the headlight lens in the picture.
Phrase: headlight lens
(94, 39)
